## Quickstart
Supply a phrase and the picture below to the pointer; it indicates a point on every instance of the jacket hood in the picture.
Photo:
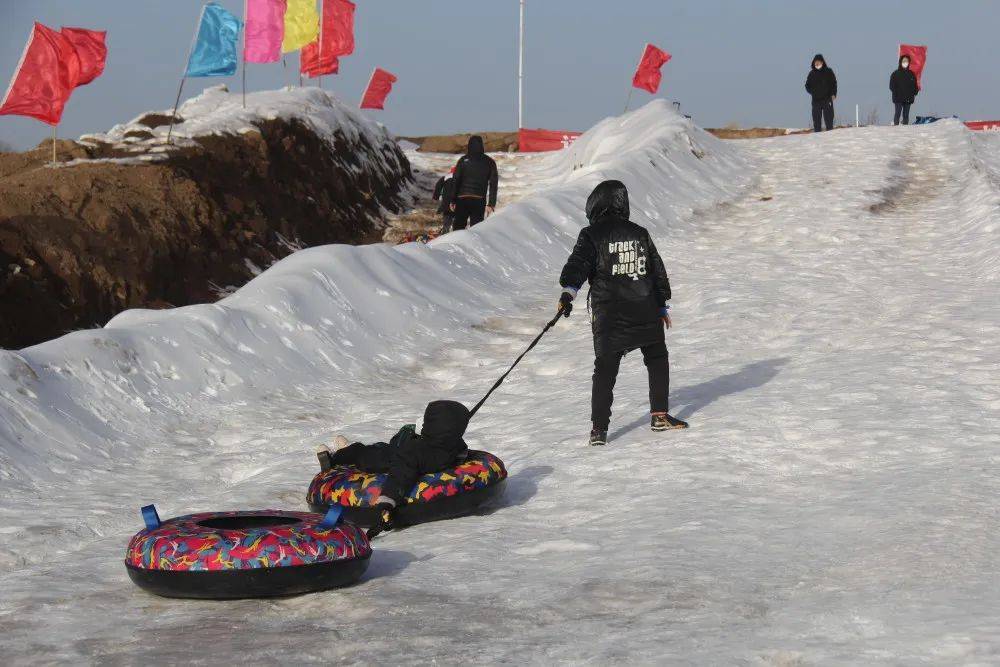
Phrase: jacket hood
(907, 56)
(610, 198)
(445, 420)
(819, 57)
(476, 145)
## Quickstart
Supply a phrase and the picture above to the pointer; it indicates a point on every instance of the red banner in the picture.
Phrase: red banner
(537, 141)
(45, 78)
(983, 125)
(91, 50)
(647, 74)
(378, 89)
(918, 58)
(337, 28)
(312, 64)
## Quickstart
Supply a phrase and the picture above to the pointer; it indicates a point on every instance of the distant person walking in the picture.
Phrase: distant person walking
(903, 84)
(444, 192)
(476, 181)
(822, 85)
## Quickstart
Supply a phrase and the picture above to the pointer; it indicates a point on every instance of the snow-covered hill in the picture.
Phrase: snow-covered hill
(835, 306)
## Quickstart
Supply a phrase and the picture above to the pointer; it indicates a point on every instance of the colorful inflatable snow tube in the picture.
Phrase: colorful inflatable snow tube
(226, 555)
(441, 495)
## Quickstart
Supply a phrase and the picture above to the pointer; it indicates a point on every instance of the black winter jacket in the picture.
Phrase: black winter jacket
(821, 83)
(476, 172)
(903, 84)
(628, 283)
(438, 446)
(444, 191)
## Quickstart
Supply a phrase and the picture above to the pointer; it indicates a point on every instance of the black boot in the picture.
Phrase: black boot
(598, 436)
(661, 421)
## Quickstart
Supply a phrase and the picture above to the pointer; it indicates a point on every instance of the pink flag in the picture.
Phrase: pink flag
(378, 89)
(647, 74)
(265, 28)
(91, 49)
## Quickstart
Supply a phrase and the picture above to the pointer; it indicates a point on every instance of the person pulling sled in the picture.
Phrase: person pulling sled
(406, 456)
(629, 290)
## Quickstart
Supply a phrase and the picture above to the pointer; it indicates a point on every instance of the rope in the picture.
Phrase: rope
(503, 377)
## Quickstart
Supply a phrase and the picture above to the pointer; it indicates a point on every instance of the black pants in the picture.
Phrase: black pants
(469, 211)
(822, 111)
(606, 372)
(404, 463)
(904, 110)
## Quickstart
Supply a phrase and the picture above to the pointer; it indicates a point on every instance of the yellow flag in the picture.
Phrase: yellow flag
(301, 24)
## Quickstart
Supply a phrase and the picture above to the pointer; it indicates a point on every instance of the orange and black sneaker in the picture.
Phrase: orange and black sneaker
(661, 421)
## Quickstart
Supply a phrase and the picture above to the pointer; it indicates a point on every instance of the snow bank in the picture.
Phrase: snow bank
(105, 394)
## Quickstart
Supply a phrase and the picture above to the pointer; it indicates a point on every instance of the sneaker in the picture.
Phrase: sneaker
(598, 436)
(661, 421)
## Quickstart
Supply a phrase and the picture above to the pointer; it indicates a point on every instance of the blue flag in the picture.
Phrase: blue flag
(214, 52)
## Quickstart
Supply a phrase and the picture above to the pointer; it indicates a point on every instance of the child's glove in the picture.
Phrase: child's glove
(566, 303)
(384, 509)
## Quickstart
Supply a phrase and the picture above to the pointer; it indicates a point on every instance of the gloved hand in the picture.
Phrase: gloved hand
(384, 510)
(566, 304)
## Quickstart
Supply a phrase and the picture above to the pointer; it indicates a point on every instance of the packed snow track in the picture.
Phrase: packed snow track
(835, 501)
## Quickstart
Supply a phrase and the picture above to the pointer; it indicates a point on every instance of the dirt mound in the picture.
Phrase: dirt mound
(496, 142)
(749, 132)
(124, 226)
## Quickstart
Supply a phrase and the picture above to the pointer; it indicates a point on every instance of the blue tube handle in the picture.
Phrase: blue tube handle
(332, 516)
(150, 516)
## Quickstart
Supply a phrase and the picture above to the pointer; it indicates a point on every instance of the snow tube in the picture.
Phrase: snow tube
(226, 555)
(440, 495)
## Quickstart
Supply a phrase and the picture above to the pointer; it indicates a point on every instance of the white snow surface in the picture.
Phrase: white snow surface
(835, 313)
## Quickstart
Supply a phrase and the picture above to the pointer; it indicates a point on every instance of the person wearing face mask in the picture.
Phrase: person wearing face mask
(822, 85)
(903, 84)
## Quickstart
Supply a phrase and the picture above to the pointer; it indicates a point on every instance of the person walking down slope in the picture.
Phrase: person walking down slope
(903, 84)
(629, 290)
(444, 192)
(476, 181)
(822, 85)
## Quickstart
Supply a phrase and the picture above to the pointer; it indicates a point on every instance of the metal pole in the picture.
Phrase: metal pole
(194, 40)
(857, 115)
(628, 100)
(54, 143)
(520, 71)
(244, 54)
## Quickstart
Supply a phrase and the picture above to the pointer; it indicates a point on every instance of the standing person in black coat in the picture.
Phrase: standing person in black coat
(444, 192)
(406, 456)
(903, 84)
(629, 290)
(822, 85)
(476, 181)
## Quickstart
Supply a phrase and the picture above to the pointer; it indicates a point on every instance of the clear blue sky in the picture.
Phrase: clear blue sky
(735, 61)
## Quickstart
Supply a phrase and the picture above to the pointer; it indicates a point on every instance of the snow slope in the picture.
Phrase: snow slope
(835, 307)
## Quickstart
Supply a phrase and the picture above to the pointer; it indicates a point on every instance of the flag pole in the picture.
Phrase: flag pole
(520, 71)
(628, 100)
(194, 40)
(244, 54)
(54, 127)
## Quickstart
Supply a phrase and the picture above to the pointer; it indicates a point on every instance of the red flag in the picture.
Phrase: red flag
(91, 50)
(647, 74)
(313, 64)
(337, 28)
(918, 58)
(378, 89)
(534, 141)
(45, 78)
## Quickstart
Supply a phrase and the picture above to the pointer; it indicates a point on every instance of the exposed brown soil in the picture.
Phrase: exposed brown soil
(749, 132)
(496, 142)
(81, 243)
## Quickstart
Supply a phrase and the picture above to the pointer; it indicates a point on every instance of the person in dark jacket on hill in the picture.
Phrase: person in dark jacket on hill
(406, 456)
(903, 84)
(629, 290)
(444, 192)
(822, 85)
(476, 181)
